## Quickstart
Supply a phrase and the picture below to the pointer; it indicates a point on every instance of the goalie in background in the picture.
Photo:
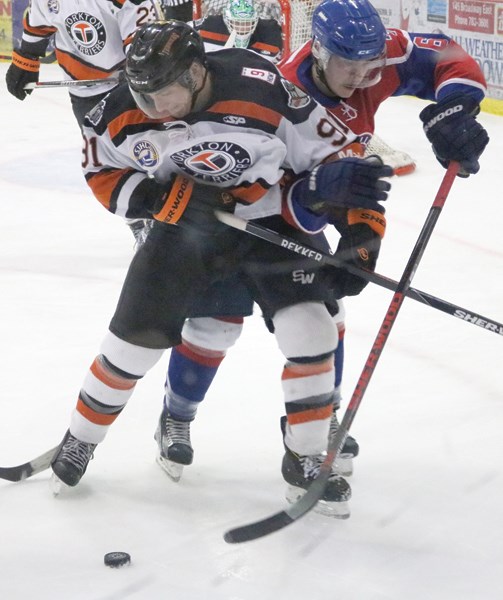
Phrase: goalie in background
(239, 26)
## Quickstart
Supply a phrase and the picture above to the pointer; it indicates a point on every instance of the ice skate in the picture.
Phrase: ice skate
(299, 471)
(70, 461)
(175, 449)
(344, 461)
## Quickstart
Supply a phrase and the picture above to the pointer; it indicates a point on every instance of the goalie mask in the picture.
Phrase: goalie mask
(349, 45)
(240, 18)
(160, 61)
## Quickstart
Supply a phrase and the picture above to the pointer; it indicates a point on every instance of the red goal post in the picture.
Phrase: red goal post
(294, 16)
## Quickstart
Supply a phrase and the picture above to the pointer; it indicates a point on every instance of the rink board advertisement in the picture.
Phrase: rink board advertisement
(477, 25)
(5, 29)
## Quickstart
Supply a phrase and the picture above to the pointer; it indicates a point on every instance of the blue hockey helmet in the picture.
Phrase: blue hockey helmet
(351, 29)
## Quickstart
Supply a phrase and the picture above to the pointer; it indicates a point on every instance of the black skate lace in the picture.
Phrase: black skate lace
(76, 452)
(178, 431)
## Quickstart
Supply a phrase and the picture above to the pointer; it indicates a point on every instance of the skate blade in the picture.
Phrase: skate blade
(344, 465)
(56, 485)
(335, 510)
(172, 469)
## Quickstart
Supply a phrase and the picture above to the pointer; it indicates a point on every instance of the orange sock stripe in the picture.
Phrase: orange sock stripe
(110, 379)
(313, 414)
(292, 371)
(95, 417)
(195, 354)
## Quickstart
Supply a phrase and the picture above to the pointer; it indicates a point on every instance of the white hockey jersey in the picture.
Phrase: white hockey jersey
(257, 127)
(90, 36)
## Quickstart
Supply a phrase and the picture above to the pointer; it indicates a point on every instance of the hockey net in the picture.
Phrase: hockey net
(294, 17)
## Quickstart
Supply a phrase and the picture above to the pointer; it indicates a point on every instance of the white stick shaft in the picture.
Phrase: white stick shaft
(230, 40)
(70, 83)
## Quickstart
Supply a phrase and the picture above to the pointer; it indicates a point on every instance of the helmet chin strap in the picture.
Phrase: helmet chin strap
(195, 93)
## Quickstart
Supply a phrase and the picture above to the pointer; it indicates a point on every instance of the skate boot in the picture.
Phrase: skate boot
(344, 463)
(299, 471)
(70, 461)
(175, 449)
(350, 450)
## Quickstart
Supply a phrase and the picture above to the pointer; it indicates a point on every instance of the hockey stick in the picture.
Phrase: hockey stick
(32, 467)
(73, 83)
(328, 259)
(231, 39)
(308, 501)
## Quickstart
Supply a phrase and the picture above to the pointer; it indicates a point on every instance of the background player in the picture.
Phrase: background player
(90, 43)
(240, 27)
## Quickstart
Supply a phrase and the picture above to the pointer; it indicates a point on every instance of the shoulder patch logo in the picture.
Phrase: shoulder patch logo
(145, 154)
(53, 6)
(86, 32)
(218, 162)
(261, 74)
(296, 97)
(95, 114)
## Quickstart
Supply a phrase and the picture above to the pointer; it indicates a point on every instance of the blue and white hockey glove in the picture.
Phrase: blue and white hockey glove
(348, 182)
(454, 133)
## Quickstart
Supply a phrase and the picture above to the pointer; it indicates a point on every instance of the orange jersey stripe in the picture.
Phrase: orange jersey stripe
(99, 370)
(211, 35)
(248, 109)
(250, 193)
(312, 414)
(39, 31)
(77, 70)
(129, 117)
(266, 47)
(103, 184)
(292, 371)
(93, 416)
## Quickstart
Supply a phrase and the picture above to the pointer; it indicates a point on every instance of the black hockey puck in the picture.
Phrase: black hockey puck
(117, 559)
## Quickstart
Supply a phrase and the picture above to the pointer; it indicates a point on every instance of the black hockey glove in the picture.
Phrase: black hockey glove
(23, 69)
(361, 233)
(190, 204)
(454, 133)
(348, 182)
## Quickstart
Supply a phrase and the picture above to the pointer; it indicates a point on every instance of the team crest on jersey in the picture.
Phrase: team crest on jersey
(53, 6)
(261, 74)
(213, 161)
(87, 33)
(348, 112)
(145, 154)
(296, 97)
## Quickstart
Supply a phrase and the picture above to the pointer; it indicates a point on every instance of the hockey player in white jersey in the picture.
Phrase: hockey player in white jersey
(90, 40)
(243, 125)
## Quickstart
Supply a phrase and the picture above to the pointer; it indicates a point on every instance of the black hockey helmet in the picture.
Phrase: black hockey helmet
(160, 53)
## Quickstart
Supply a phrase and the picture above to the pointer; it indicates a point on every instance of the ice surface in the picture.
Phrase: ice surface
(427, 504)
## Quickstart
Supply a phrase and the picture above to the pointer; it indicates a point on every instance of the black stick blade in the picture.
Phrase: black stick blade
(253, 531)
(32, 467)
